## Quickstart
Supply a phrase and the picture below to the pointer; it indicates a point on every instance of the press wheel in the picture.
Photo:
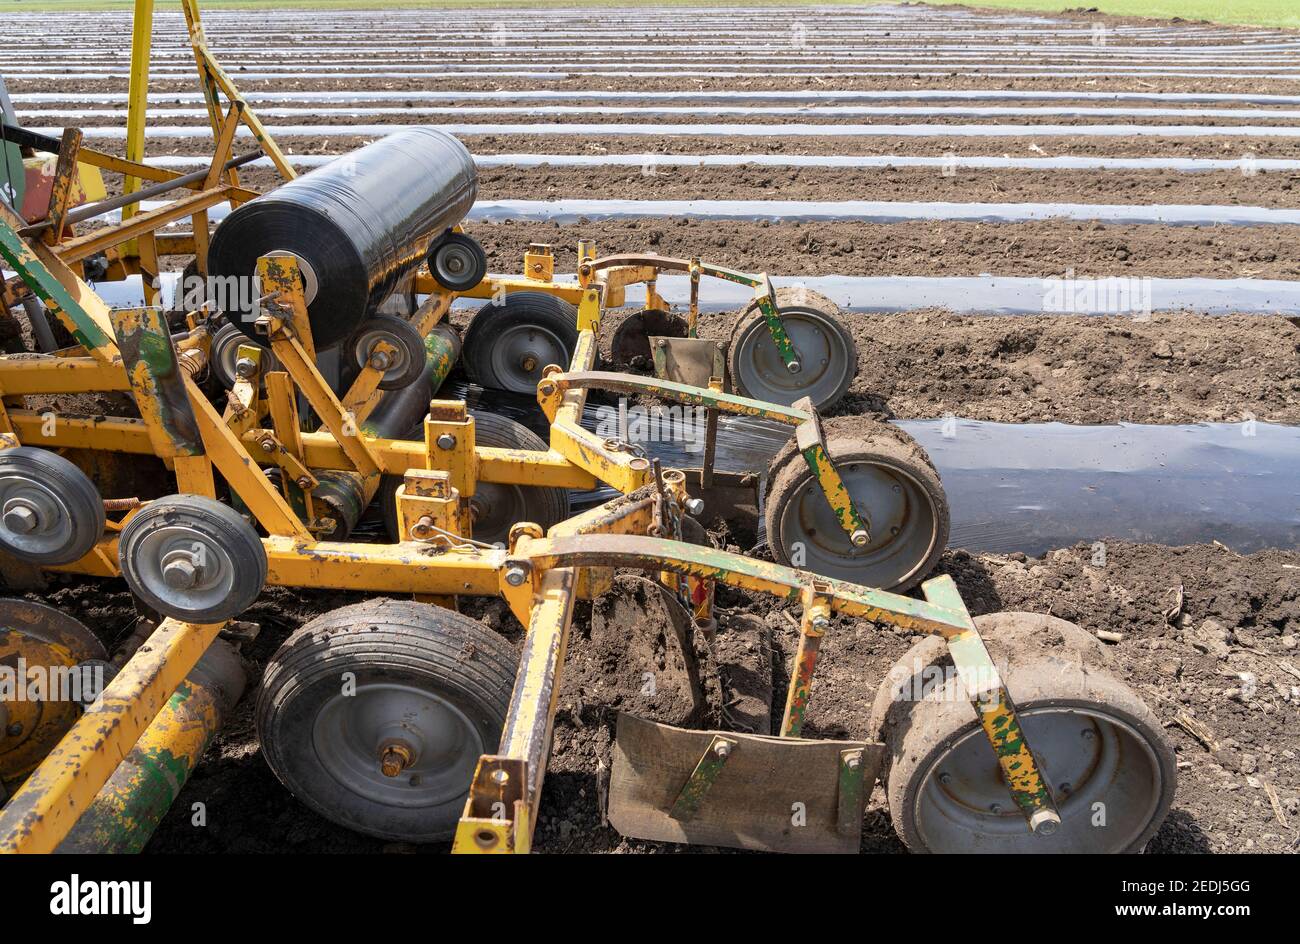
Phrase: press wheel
(890, 479)
(192, 558)
(507, 346)
(50, 511)
(374, 715)
(827, 356)
(1100, 749)
(401, 368)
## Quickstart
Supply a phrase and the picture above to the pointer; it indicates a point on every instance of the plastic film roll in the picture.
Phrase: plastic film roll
(357, 226)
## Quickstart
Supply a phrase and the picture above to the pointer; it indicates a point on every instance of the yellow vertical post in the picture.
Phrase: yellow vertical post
(137, 95)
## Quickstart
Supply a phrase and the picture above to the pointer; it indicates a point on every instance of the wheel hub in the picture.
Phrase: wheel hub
(821, 369)
(21, 516)
(425, 746)
(1091, 760)
(181, 570)
(33, 515)
(902, 530)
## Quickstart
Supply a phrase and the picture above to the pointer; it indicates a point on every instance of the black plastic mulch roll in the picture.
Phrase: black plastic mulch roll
(360, 224)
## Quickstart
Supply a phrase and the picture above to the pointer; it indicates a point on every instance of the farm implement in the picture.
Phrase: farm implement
(233, 441)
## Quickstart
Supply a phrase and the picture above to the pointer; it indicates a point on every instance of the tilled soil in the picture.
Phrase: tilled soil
(1209, 642)
(1209, 637)
(1040, 249)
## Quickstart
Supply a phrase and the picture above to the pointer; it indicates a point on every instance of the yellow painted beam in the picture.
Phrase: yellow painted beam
(40, 814)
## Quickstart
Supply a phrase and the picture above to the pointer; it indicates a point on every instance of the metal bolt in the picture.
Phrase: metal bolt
(446, 441)
(1088, 734)
(695, 507)
(821, 623)
(500, 777)
(794, 367)
(995, 808)
(268, 445)
(852, 762)
(380, 360)
(21, 518)
(945, 778)
(304, 483)
(722, 749)
(528, 363)
(245, 367)
(1044, 822)
(394, 759)
(516, 574)
(859, 538)
(180, 571)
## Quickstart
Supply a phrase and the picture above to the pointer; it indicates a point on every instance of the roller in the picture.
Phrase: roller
(357, 226)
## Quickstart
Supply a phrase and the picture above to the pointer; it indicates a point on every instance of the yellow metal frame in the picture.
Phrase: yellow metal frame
(539, 576)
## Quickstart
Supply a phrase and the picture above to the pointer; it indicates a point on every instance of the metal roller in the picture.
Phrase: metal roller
(357, 226)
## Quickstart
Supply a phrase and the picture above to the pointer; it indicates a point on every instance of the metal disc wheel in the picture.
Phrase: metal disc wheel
(50, 511)
(375, 715)
(458, 262)
(224, 355)
(405, 365)
(192, 558)
(39, 635)
(890, 479)
(828, 358)
(507, 346)
(1100, 749)
(631, 343)
(496, 508)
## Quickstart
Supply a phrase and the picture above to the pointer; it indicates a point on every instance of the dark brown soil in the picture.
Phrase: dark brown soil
(664, 182)
(1209, 636)
(1175, 368)
(1039, 249)
(1201, 626)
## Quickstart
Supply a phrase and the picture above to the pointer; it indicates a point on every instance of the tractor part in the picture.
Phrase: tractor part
(495, 507)
(224, 360)
(826, 358)
(192, 558)
(632, 339)
(404, 364)
(442, 350)
(50, 511)
(37, 636)
(1099, 748)
(887, 479)
(375, 714)
(44, 809)
(345, 502)
(457, 262)
(356, 227)
(725, 788)
(508, 345)
(135, 799)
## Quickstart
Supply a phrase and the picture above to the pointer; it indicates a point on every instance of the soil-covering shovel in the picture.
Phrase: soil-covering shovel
(747, 791)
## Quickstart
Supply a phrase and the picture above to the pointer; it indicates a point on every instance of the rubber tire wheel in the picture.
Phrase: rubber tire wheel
(546, 311)
(850, 438)
(794, 297)
(382, 640)
(75, 490)
(225, 526)
(473, 276)
(490, 429)
(1045, 662)
(405, 338)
